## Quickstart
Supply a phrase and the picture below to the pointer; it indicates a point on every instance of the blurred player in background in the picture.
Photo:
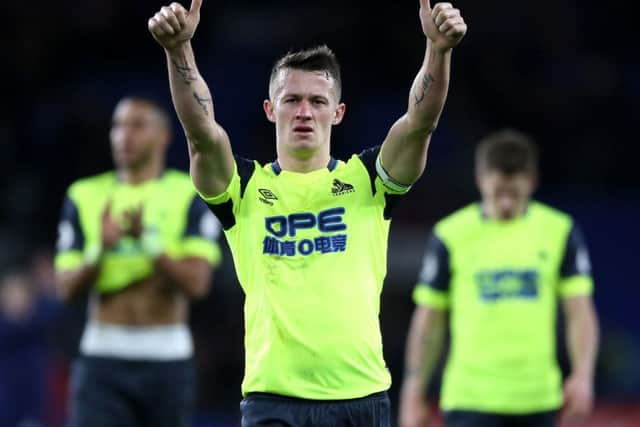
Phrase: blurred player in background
(309, 233)
(141, 243)
(494, 272)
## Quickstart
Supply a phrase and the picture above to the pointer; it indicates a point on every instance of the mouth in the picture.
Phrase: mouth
(303, 129)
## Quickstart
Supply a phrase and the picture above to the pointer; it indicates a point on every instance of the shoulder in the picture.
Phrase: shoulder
(366, 158)
(177, 179)
(549, 215)
(86, 187)
(244, 163)
(458, 222)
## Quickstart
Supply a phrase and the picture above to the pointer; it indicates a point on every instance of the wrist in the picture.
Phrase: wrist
(178, 50)
(584, 375)
(437, 50)
(444, 51)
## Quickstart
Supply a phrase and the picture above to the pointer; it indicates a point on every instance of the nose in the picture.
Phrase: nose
(304, 111)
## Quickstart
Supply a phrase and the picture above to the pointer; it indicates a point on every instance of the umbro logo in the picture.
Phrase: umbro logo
(340, 188)
(266, 196)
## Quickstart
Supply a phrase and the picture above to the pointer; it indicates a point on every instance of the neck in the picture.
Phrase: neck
(139, 175)
(490, 212)
(304, 164)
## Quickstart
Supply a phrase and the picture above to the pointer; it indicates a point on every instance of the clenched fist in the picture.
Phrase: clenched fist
(443, 24)
(173, 25)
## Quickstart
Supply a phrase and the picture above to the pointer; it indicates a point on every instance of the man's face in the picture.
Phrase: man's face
(505, 197)
(303, 106)
(137, 133)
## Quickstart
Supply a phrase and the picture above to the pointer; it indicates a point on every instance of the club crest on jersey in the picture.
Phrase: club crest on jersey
(339, 188)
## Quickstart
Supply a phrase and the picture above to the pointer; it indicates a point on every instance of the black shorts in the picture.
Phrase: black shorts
(108, 392)
(271, 410)
(485, 419)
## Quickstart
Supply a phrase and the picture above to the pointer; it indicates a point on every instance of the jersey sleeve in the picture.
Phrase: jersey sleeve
(225, 206)
(71, 240)
(381, 182)
(575, 269)
(201, 233)
(432, 289)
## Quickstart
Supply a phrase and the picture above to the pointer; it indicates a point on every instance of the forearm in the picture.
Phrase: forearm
(582, 342)
(191, 97)
(191, 275)
(211, 159)
(74, 283)
(429, 90)
(404, 153)
(424, 347)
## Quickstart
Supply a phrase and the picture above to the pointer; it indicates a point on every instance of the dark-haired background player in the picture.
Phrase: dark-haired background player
(141, 242)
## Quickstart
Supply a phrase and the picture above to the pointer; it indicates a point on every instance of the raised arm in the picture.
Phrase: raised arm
(211, 159)
(404, 151)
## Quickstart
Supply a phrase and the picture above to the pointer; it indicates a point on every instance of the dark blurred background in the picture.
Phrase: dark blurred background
(563, 71)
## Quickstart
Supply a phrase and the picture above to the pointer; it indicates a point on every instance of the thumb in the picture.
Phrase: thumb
(195, 6)
(424, 4)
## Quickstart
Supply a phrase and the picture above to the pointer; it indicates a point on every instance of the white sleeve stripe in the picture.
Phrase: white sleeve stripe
(389, 182)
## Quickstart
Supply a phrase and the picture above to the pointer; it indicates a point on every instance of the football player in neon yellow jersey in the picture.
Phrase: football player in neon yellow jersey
(499, 268)
(308, 233)
(141, 241)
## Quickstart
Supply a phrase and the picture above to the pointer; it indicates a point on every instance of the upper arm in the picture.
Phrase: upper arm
(225, 205)
(427, 318)
(578, 308)
(201, 234)
(575, 268)
(432, 289)
(211, 162)
(404, 151)
(387, 191)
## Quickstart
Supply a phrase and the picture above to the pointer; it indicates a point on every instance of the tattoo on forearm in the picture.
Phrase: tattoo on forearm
(186, 71)
(203, 102)
(427, 81)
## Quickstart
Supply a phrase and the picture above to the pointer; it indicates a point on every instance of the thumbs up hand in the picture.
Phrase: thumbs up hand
(443, 24)
(174, 25)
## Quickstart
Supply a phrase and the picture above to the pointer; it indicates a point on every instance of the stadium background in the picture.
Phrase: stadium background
(561, 71)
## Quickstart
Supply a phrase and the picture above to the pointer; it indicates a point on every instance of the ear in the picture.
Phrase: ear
(268, 110)
(477, 179)
(339, 115)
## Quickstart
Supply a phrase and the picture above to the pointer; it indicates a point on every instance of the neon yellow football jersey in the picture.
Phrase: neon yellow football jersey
(171, 208)
(501, 281)
(310, 254)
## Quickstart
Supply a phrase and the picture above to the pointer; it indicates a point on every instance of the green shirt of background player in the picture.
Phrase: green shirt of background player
(304, 103)
(494, 272)
(141, 243)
